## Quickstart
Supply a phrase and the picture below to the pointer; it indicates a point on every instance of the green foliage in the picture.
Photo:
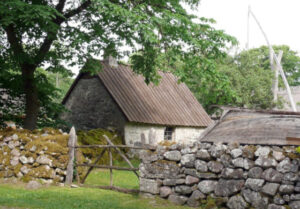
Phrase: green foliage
(243, 80)
(298, 150)
(251, 83)
(160, 33)
(12, 103)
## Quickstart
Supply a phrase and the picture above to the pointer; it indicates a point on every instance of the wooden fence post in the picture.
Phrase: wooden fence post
(71, 145)
(110, 164)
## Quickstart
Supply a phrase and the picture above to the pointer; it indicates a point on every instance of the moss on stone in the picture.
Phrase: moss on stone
(17, 168)
(95, 136)
(167, 143)
(26, 178)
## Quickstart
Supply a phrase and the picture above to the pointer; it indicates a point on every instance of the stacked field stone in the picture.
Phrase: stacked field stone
(27, 156)
(237, 176)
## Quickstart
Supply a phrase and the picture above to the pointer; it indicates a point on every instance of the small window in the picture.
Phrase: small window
(168, 133)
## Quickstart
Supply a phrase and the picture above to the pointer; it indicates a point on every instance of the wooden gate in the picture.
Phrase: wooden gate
(73, 148)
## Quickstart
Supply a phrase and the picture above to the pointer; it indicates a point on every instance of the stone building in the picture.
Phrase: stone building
(117, 98)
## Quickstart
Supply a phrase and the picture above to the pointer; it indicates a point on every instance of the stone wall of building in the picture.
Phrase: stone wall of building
(133, 133)
(223, 176)
(91, 106)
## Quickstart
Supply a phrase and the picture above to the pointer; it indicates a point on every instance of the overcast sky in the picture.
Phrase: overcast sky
(279, 18)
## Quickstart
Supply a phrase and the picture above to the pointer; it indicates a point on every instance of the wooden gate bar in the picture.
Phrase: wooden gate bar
(108, 167)
(122, 155)
(150, 147)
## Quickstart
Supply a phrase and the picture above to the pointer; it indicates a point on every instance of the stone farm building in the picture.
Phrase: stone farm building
(117, 98)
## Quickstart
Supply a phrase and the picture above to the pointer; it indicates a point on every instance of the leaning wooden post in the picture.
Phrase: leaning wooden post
(71, 145)
(110, 164)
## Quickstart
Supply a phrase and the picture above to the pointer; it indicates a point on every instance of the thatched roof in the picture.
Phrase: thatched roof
(255, 127)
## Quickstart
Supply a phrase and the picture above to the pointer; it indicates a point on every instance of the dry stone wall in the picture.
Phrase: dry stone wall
(234, 176)
(40, 155)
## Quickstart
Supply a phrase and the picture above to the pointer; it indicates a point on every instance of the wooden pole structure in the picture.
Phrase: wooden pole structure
(277, 63)
(110, 164)
(71, 145)
(276, 72)
(248, 28)
(96, 161)
(120, 153)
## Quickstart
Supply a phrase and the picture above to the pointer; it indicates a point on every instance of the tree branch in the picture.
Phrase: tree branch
(60, 6)
(16, 44)
(51, 36)
(79, 9)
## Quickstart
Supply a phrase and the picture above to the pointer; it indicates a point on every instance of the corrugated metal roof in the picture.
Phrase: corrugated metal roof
(256, 127)
(169, 103)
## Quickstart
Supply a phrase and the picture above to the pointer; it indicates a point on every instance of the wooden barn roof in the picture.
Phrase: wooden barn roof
(255, 127)
(170, 103)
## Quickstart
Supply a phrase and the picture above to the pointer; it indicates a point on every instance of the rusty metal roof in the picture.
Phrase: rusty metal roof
(169, 103)
(255, 127)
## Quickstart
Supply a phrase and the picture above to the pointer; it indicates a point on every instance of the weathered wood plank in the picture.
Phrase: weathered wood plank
(71, 145)
(110, 164)
(114, 188)
(120, 153)
(117, 146)
(108, 167)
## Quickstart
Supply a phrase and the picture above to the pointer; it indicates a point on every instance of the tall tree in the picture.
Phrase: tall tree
(250, 78)
(38, 32)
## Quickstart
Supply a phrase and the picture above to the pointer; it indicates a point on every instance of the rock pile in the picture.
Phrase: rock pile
(40, 155)
(234, 176)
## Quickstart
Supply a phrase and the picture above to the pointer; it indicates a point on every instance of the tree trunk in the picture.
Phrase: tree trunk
(32, 104)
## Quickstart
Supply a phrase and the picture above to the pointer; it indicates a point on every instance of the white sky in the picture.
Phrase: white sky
(280, 20)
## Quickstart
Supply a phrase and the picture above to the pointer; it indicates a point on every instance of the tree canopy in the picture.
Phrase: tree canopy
(56, 32)
(249, 78)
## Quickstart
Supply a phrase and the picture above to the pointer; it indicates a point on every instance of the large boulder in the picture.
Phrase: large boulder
(270, 189)
(255, 172)
(272, 175)
(236, 202)
(194, 200)
(284, 166)
(183, 189)
(188, 160)
(203, 154)
(255, 198)
(160, 169)
(149, 186)
(207, 186)
(254, 184)
(226, 188)
(201, 166)
(165, 191)
(215, 166)
(229, 173)
(190, 180)
(173, 155)
(177, 199)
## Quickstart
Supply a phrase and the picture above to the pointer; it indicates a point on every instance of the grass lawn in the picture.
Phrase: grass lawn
(71, 198)
(124, 179)
(83, 198)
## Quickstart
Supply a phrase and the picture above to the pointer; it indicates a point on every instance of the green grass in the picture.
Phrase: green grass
(75, 198)
(124, 179)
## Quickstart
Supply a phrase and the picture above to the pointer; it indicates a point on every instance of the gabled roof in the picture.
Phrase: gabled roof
(264, 127)
(170, 103)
